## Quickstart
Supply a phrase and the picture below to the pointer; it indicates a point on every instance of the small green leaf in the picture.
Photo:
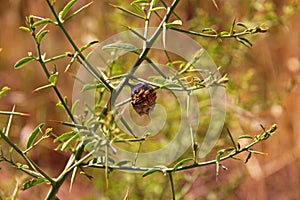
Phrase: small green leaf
(180, 163)
(11, 152)
(43, 87)
(157, 8)
(53, 78)
(174, 23)
(67, 144)
(74, 106)
(151, 171)
(33, 182)
(157, 80)
(209, 30)
(65, 136)
(66, 9)
(223, 33)
(3, 91)
(140, 2)
(23, 61)
(41, 35)
(245, 137)
(124, 162)
(128, 11)
(257, 152)
(88, 45)
(244, 41)
(155, 2)
(218, 158)
(137, 8)
(242, 25)
(78, 11)
(42, 22)
(87, 87)
(23, 28)
(121, 46)
(34, 134)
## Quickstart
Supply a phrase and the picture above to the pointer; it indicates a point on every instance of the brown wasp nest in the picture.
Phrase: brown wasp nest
(143, 98)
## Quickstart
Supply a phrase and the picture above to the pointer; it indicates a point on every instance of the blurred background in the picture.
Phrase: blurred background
(263, 89)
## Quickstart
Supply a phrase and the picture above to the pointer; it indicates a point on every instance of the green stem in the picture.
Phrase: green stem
(101, 77)
(172, 185)
(246, 32)
(31, 164)
(262, 137)
(59, 95)
(148, 45)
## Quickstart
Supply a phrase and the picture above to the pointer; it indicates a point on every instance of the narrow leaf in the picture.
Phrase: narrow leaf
(74, 106)
(33, 182)
(23, 28)
(87, 87)
(11, 152)
(155, 2)
(78, 11)
(242, 25)
(244, 41)
(122, 46)
(209, 30)
(151, 171)
(41, 35)
(88, 45)
(67, 144)
(257, 152)
(34, 134)
(65, 136)
(23, 61)
(67, 9)
(124, 162)
(43, 87)
(157, 9)
(53, 78)
(182, 162)
(137, 8)
(42, 22)
(128, 11)
(3, 91)
(174, 23)
(245, 137)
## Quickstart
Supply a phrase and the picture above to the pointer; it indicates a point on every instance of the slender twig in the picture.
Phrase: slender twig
(149, 44)
(30, 163)
(101, 77)
(258, 139)
(235, 35)
(172, 185)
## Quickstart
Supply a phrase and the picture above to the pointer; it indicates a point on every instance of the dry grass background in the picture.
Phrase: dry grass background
(274, 61)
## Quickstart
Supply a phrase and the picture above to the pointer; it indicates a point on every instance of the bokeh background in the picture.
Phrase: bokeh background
(263, 89)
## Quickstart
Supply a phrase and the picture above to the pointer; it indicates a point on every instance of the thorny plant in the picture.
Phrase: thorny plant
(101, 118)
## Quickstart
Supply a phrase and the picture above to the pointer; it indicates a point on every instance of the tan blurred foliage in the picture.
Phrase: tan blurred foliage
(274, 62)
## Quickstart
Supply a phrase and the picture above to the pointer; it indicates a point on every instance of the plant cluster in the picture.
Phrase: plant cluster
(95, 131)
